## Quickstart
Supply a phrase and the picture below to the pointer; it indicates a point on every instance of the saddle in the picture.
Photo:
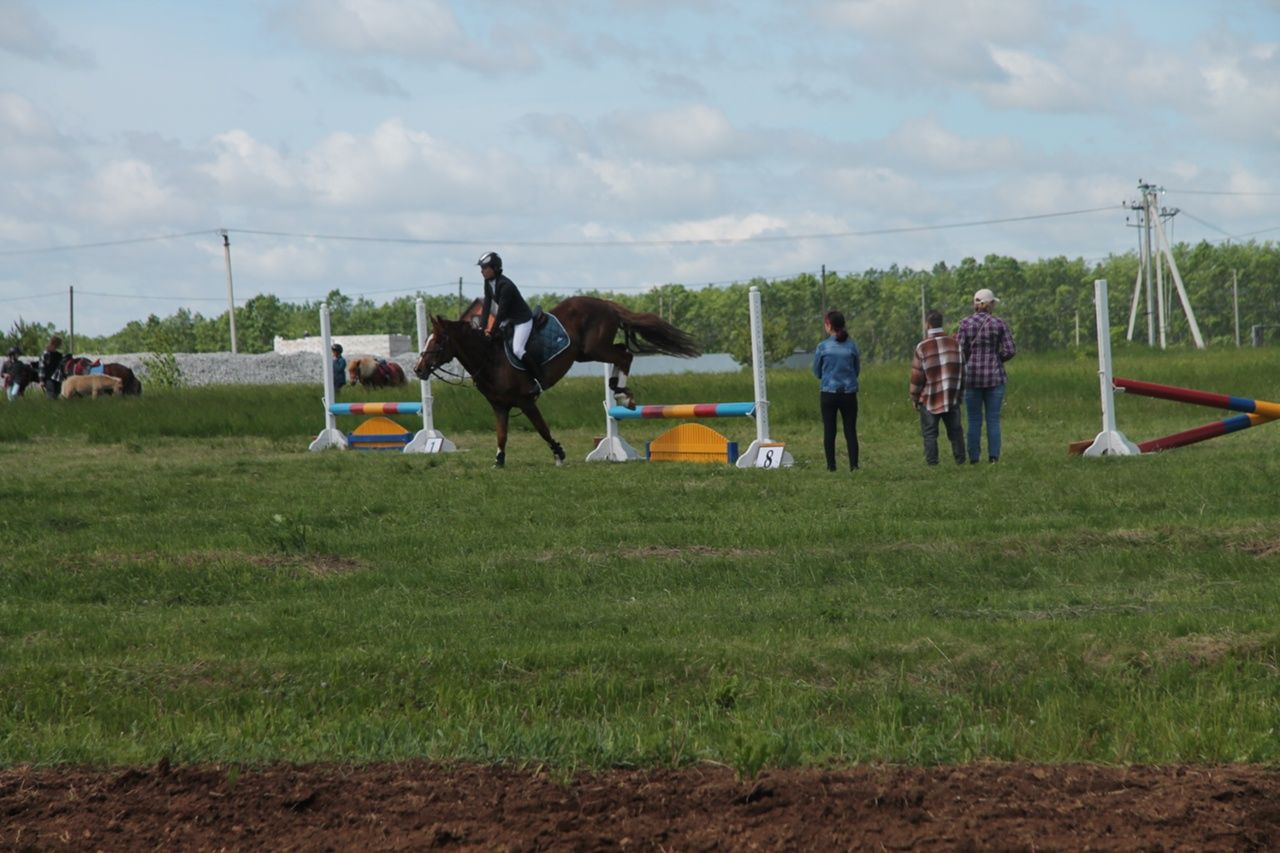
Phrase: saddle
(547, 340)
(382, 371)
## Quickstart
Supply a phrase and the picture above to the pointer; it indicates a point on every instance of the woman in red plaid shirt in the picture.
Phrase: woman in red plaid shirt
(986, 344)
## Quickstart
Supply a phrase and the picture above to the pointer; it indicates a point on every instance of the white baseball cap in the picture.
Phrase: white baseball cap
(985, 297)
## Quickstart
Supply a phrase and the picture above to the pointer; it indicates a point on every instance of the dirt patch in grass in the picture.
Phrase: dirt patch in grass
(422, 806)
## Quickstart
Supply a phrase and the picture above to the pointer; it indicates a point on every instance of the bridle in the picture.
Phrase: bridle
(437, 350)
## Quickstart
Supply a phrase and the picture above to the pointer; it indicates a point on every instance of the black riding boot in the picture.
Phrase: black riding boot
(535, 370)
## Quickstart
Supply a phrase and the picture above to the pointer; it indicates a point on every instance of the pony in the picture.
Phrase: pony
(81, 366)
(591, 324)
(91, 386)
(375, 372)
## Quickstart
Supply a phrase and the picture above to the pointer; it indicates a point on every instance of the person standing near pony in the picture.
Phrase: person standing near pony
(10, 371)
(837, 362)
(339, 367)
(510, 312)
(51, 368)
(986, 344)
(937, 375)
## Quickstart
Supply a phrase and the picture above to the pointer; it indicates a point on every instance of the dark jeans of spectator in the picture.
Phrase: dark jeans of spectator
(955, 434)
(984, 404)
(847, 406)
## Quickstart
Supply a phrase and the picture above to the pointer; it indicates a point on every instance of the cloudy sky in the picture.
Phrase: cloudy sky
(613, 144)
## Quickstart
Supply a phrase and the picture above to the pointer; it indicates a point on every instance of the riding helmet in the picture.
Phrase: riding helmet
(337, 348)
(490, 259)
(14, 351)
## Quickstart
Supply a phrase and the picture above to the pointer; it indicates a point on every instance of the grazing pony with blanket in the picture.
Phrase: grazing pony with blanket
(91, 385)
(374, 372)
(81, 366)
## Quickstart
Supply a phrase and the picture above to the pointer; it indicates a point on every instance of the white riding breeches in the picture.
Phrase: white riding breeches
(520, 337)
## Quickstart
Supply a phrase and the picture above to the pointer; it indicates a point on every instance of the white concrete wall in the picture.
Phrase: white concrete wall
(382, 345)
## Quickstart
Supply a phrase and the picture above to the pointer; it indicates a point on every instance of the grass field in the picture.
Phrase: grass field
(181, 578)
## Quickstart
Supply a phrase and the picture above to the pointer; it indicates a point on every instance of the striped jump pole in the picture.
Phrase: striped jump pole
(614, 448)
(1253, 412)
(426, 440)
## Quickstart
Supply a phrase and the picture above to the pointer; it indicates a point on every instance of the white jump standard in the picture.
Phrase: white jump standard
(613, 448)
(426, 440)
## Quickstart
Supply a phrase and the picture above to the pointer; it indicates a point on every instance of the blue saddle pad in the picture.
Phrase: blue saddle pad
(96, 370)
(544, 344)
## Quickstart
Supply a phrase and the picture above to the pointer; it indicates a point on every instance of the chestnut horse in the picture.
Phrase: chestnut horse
(592, 324)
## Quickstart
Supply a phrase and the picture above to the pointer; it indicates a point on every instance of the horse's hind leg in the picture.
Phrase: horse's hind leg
(618, 375)
(540, 424)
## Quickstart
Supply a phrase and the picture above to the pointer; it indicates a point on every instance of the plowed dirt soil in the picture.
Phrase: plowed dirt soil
(415, 806)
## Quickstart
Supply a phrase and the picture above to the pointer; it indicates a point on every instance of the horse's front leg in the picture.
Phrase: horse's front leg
(540, 424)
(501, 415)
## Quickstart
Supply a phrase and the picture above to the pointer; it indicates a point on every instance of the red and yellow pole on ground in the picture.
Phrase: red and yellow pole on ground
(1253, 411)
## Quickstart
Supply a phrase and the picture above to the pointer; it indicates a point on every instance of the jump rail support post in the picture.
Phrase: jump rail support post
(1109, 442)
(426, 440)
(614, 448)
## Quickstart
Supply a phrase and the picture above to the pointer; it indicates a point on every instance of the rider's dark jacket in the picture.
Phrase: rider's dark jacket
(51, 366)
(512, 309)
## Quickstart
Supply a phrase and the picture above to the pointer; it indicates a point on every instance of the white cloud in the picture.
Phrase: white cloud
(696, 133)
(1034, 83)
(245, 169)
(128, 192)
(926, 142)
(25, 32)
(631, 188)
(30, 146)
(425, 31)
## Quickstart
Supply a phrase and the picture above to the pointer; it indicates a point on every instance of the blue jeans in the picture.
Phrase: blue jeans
(976, 401)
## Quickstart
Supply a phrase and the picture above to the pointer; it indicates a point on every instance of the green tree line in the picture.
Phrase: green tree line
(1042, 300)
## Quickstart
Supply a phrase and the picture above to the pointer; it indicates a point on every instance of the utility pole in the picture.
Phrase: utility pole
(825, 306)
(461, 307)
(1235, 302)
(231, 296)
(71, 309)
(1159, 254)
(924, 322)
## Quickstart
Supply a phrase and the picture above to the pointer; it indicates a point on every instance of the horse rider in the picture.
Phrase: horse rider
(51, 367)
(511, 313)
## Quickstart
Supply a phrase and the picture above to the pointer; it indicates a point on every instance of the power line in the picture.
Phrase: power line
(1191, 215)
(71, 247)
(583, 244)
(703, 241)
(1220, 192)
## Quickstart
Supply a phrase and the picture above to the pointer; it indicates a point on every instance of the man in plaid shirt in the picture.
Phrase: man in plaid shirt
(937, 376)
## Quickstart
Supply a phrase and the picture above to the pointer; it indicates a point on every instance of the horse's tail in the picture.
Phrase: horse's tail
(648, 333)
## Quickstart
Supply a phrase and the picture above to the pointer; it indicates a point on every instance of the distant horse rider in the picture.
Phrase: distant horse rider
(51, 367)
(511, 313)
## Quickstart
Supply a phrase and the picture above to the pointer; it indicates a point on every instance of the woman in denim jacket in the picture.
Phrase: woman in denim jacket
(837, 363)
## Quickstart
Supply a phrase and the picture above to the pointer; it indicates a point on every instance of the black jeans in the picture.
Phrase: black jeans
(955, 434)
(847, 406)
